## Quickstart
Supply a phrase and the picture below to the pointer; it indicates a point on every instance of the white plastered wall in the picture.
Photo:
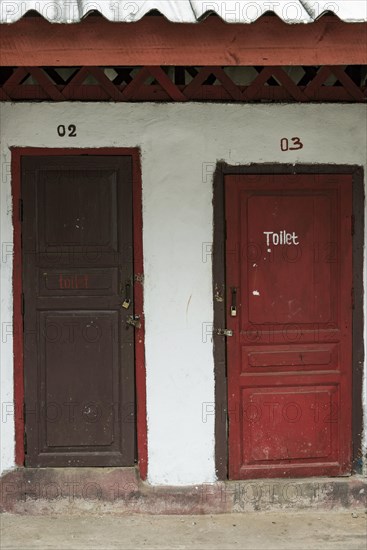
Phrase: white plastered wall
(180, 145)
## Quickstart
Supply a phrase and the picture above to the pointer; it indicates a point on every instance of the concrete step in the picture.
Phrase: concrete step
(120, 491)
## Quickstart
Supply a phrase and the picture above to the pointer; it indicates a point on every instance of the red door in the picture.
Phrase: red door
(289, 296)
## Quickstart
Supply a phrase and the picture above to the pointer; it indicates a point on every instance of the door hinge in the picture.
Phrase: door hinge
(223, 332)
(22, 305)
(20, 210)
(352, 297)
(352, 224)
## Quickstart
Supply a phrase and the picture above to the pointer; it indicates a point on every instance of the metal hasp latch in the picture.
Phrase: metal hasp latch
(223, 332)
(127, 300)
(234, 302)
(134, 321)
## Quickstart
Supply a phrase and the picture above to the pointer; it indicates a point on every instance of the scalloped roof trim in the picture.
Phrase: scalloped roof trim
(185, 11)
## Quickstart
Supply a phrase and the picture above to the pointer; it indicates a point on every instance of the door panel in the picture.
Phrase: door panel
(78, 350)
(289, 263)
(70, 366)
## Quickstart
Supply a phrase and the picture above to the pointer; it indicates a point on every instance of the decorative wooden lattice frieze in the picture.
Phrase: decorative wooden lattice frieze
(229, 84)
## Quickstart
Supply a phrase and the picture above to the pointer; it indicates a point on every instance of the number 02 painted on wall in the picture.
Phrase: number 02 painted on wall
(68, 131)
(292, 144)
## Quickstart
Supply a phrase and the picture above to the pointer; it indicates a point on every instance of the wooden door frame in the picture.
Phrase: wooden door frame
(219, 281)
(140, 374)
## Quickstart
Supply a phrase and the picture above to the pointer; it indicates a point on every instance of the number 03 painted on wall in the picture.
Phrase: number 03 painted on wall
(291, 144)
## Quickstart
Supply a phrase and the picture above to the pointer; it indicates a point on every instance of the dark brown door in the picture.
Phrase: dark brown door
(289, 280)
(77, 237)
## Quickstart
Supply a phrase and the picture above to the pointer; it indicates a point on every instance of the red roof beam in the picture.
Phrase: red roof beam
(155, 41)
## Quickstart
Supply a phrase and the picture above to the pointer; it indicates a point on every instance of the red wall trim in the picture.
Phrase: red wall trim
(140, 373)
(156, 41)
(17, 312)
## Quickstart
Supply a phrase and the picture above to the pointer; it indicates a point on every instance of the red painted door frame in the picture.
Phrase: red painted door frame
(16, 154)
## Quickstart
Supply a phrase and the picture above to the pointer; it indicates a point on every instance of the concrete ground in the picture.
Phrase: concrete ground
(345, 530)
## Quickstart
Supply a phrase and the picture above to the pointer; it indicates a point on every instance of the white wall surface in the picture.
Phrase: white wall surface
(180, 146)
